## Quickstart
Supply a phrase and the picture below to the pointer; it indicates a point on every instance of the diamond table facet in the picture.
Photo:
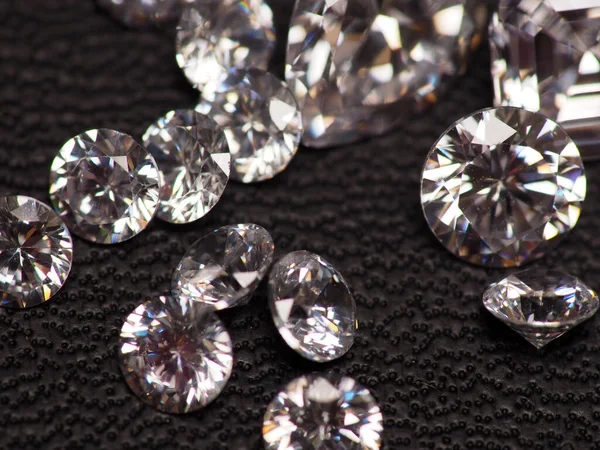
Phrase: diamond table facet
(217, 35)
(36, 252)
(359, 67)
(105, 186)
(312, 306)
(541, 305)
(224, 268)
(323, 412)
(175, 355)
(194, 161)
(261, 120)
(502, 186)
(546, 57)
(136, 13)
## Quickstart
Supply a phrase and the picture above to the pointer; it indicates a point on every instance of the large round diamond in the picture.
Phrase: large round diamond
(261, 120)
(36, 252)
(175, 355)
(136, 13)
(317, 413)
(541, 305)
(194, 162)
(216, 35)
(502, 186)
(312, 306)
(359, 67)
(224, 268)
(105, 186)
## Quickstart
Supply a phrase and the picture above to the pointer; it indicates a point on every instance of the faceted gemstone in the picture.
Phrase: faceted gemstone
(541, 305)
(139, 13)
(261, 120)
(105, 186)
(175, 355)
(224, 268)
(359, 67)
(36, 252)
(546, 57)
(194, 161)
(502, 186)
(216, 35)
(317, 412)
(312, 306)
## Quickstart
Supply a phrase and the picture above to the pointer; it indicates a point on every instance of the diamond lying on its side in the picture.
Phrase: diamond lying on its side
(36, 252)
(541, 305)
(139, 13)
(502, 186)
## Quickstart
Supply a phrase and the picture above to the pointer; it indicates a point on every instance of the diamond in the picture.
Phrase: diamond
(214, 36)
(261, 120)
(224, 268)
(36, 252)
(312, 306)
(541, 305)
(194, 162)
(546, 57)
(175, 355)
(502, 186)
(358, 69)
(323, 412)
(138, 13)
(105, 186)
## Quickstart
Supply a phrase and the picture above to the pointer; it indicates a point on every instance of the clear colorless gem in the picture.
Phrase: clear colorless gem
(546, 57)
(194, 162)
(541, 305)
(224, 268)
(216, 35)
(36, 252)
(502, 186)
(323, 412)
(358, 67)
(138, 13)
(105, 186)
(312, 306)
(174, 354)
(260, 118)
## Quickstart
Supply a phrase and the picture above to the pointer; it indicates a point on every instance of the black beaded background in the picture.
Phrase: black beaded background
(447, 375)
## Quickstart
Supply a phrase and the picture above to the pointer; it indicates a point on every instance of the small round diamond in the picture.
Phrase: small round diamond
(541, 305)
(105, 186)
(260, 118)
(503, 186)
(224, 268)
(317, 412)
(312, 306)
(175, 355)
(216, 35)
(36, 252)
(194, 161)
(138, 13)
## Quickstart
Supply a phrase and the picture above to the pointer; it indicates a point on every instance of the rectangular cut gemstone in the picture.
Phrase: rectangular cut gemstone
(546, 58)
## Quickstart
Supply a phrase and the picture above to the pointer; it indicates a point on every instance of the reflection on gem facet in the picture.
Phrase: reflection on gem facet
(541, 305)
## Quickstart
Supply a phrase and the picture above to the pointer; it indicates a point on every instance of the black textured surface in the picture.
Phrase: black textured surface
(447, 375)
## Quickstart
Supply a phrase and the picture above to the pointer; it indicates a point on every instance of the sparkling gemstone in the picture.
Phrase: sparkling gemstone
(137, 13)
(36, 252)
(359, 67)
(194, 161)
(546, 57)
(541, 305)
(175, 355)
(216, 35)
(317, 412)
(105, 186)
(224, 268)
(312, 306)
(261, 120)
(502, 186)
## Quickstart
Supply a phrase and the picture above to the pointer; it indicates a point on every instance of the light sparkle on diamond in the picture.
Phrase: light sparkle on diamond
(502, 186)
